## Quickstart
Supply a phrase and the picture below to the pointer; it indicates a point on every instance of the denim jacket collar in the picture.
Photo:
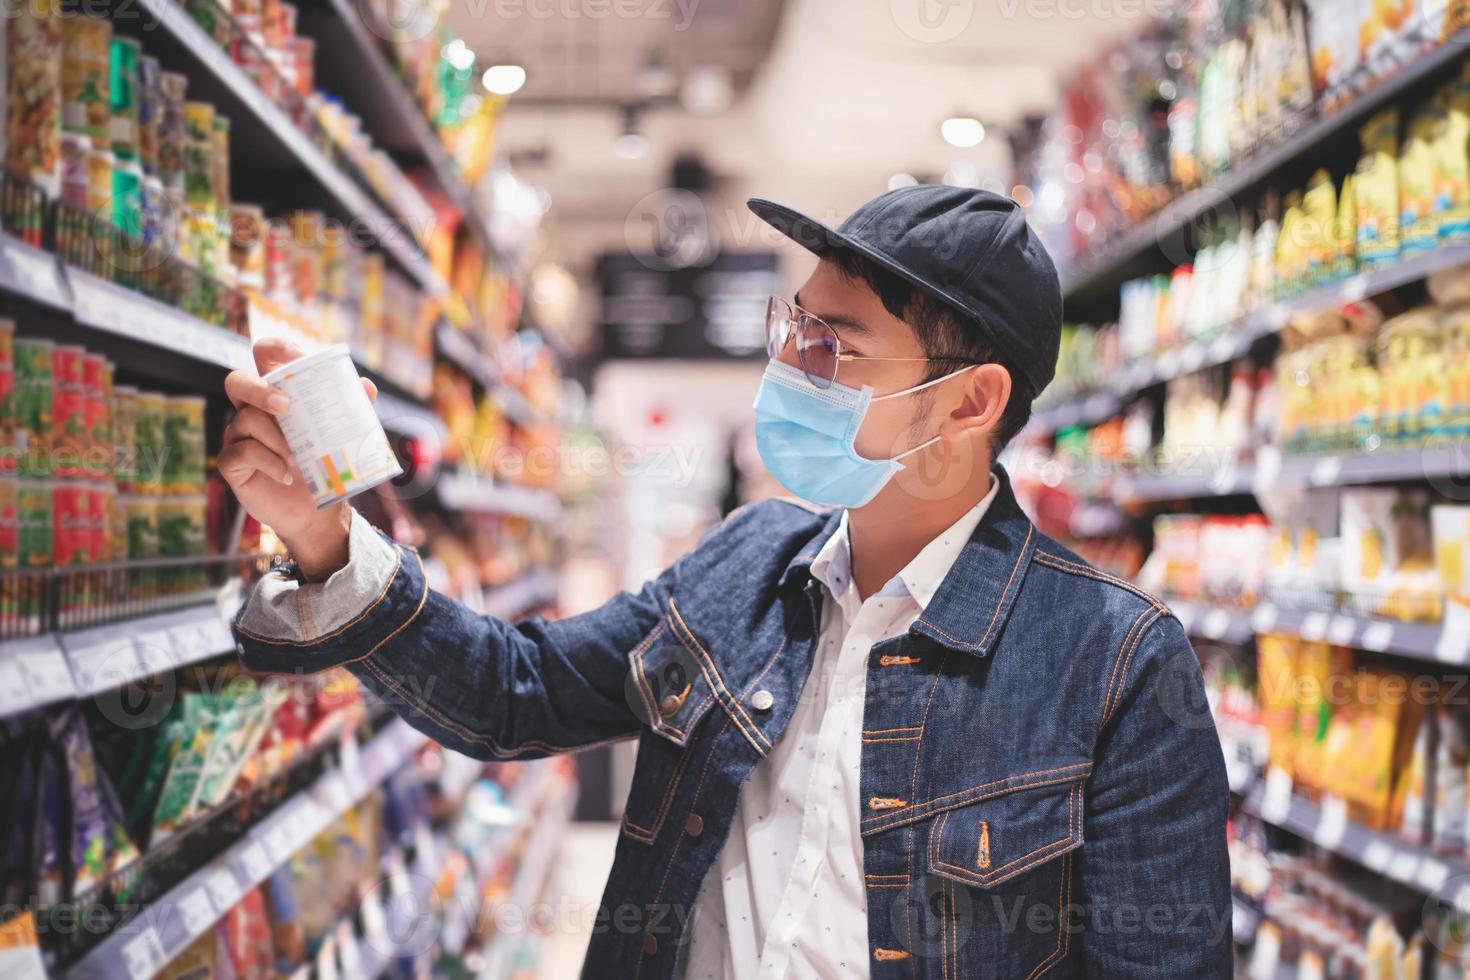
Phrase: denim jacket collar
(969, 611)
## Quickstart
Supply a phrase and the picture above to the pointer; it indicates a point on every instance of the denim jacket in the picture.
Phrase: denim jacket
(1043, 789)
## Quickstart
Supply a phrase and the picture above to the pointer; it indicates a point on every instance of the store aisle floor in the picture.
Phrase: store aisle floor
(576, 882)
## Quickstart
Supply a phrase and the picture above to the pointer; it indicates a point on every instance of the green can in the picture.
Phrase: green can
(7, 397)
(127, 198)
(199, 189)
(124, 448)
(123, 75)
(152, 450)
(140, 514)
(172, 90)
(183, 438)
(33, 523)
(181, 527)
(33, 423)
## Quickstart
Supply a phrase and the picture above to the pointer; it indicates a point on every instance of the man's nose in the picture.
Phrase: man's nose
(787, 354)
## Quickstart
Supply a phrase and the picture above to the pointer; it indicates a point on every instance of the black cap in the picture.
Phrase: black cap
(970, 249)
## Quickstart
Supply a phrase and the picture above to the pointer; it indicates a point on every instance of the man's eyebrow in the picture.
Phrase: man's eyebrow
(837, 319)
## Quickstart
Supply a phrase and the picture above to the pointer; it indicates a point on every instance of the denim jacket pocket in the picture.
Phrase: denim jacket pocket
(670, 695)
(989, 842)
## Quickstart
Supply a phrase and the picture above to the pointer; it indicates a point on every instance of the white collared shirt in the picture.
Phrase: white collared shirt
(786, 898)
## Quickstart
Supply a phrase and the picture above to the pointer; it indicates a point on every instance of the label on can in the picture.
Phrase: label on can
(100, 164)
(148, 438)
(9, 522)
(173, 88)
(141, 514)
(85, 80)
(123, 63)
(76, 148)
(220, 151)
(99, 522)
(183, 437)
(71, 522)
(33, 523)
(198, 149)
(150, 105)
(9, 409)
(98, 379)
(180, 527)
(33, 392)
(33, 93)
(124, 449)
(69, 410)
(334, 433)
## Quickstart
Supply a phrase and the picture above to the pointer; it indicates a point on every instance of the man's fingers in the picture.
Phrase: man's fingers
(251, 423)
(244, 388)
(272, 352)
(240, 461)
(371, 389)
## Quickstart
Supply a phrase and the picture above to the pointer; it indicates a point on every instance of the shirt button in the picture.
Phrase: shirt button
(650, 944)
(762, 700)
(670, 704)
(694, 826)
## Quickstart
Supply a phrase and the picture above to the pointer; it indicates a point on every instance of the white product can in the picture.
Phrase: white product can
(331, 427)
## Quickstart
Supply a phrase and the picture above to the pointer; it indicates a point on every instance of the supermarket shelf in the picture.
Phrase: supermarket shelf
(463, 490)
(1441, 462)
(102, 305)
(1126, 250)
(109, 656)
(35, 274)
(167, 926)
(461, 351)
(235, 94)
(1225, 480)
(511, 600)
(1239, 338)
(33, 673)
(1389, 855)
(388, 111)
(410, 418)
(1402, 638)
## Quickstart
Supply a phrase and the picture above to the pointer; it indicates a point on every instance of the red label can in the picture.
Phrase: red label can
(71, 522)
(68, 410)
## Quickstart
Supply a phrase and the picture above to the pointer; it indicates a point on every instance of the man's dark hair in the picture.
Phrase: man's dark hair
(944, 333)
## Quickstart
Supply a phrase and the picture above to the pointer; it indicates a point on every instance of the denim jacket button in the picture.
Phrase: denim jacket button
(694, 826)
(762, 700)
(650, 944)
(671, 703)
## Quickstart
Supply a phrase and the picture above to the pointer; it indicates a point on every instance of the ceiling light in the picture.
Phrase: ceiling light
(901, 180)
(962, 131)
(630, 146)
(707, 90)
(655, 79)
(503, 79)
(458, 55)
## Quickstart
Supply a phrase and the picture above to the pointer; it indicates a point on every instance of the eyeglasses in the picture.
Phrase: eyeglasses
(818, 350)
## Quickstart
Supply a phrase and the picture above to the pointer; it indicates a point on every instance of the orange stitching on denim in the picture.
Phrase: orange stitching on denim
(889, 731)
(982, 849)
(889, 954)
(423, 598)
(1108, 710)
(1064, 894)
(1004, 872)
(875, 877)
(397, 565)
(888, 884)
(898, 660)
(679, 839)
(769, 663)
(884, 802)
(895, 738)
(635, 658)
(997, 782)
(1113, 674)
(1030, 530)
(668, 799)
(927, 809)
(656, 718)
(1071, 567)
(728, 702)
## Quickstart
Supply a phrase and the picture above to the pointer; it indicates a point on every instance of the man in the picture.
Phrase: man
(906, 736)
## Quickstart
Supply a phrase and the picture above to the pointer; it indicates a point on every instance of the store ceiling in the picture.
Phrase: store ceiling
(841, 95)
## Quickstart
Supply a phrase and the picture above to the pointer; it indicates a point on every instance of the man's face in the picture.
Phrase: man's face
(865, 327)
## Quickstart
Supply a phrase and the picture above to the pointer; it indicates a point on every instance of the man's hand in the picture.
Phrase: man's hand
(257, 464)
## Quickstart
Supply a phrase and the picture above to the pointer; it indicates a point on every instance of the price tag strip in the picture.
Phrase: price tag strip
(101, 304)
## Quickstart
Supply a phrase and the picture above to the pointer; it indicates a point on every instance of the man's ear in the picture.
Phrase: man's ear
(987, 392)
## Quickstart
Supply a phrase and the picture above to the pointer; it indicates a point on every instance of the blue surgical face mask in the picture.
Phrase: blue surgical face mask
(805, 436)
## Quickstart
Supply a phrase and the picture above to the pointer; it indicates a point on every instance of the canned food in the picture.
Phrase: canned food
(117, 526)
(127, 197)
(173, 89)
(33, 95)
(71, 522)
(303, 60)
(85, 78)
(213, 17)
(33, 384)
(183, 438)
(150, 107)
(9, 410)
(278, 267)
(181, 535)
(141, 516)
(306, 236)
(100, 165)
(97, 377)
(199, 189)
(220, 140)
(124, 450)
(334, 433)
(9, 544)
(33, 523)
(247, 244)
(125, 54)
(247, 20)
(76, 149)
(99, 520)
(69, 410)
(148, 437)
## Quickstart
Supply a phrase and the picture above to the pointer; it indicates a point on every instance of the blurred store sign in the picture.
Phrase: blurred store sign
(710, 310)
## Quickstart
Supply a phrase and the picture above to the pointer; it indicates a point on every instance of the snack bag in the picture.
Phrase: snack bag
(1451, 153)
(1318, 229)
(1377, 191)
(1417, 222)
(1345, 261)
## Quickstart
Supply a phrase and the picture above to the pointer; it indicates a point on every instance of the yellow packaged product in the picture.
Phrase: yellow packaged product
(1345, 230)
(1377, 191)
(1318, 229)
(1455, 350)
(1276, 667)
(1289, 264)
(1451, 151)
(1320, 669)
(1418, 226)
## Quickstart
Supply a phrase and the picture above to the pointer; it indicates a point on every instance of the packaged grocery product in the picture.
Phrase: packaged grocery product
(33, 121)
(193, 728)
(220, 140)
(180, 527)
(1387, 556)
(124, 446)
(9, 404)
(1376, 191)
(99, 520)
(33, 523)
(183, 438)
(252, 957)
(100, 181)
(213, 18)
(199, 168)
(125, 55)
(1345, 260)
(1451, 530)
(142, 522)
(247, 244)
(69, 410)
(1317, 230)
(1418, 227)
(97, 378)
(335, 436)
(197, 961)
(71, 522)
(33, 395)
(173, 90)
(1451, 153)
(76, 151)
(150, 107)
(85, 79)
(152, 447)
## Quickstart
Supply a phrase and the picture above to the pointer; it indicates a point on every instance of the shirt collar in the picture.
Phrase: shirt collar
(921, 577)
